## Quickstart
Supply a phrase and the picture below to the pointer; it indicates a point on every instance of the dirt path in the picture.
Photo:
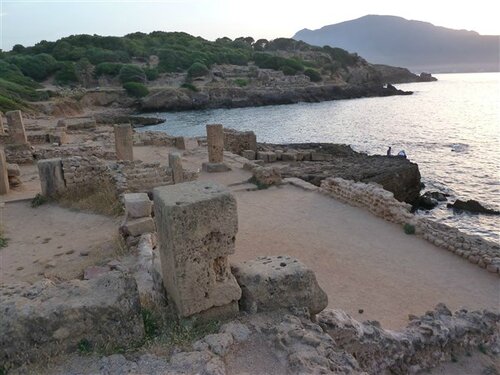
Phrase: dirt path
(51, 241)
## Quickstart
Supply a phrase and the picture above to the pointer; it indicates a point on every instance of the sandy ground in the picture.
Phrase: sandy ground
(51, 241)
(361, 261)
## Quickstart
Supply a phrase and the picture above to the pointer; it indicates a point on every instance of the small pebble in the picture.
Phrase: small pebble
(361, 311)
(84, 253)
(69, 252)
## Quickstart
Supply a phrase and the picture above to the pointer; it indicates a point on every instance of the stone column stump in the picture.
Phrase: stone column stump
(124, 142)
(51, 177)
(175, 163)
(197, 224)
(215, 140)
(16, 127)
(4, 176)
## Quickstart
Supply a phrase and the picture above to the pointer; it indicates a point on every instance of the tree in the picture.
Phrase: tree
(132, 73)
(197, 70)
(136, 89)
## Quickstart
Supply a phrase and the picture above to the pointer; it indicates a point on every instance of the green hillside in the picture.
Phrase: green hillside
(77, 59)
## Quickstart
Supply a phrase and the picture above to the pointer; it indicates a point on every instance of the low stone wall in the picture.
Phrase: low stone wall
(435, 337)
(19, 154)
(150, 138)
(382, 203)
(238, 141)
(126, 176)
(69, 151)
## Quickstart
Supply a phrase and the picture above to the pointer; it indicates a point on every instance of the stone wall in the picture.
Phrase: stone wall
(382, 203)
(126, 176)
(150, 138)
(74, 150)
(238, 141)
(19, 154)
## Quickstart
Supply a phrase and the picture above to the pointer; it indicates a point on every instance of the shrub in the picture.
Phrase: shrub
(38, 200)
(197, 70)
(409, 228)
(108, 68)
(67, 74)
(136, 89)
(288, 71)
(313, 75)
(241, 82)
(132, 73)
(151, 73)
(189, 86)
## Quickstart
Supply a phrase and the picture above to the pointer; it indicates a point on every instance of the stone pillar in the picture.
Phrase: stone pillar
(124, 142)
(16, 127)
(197, 224)
(51, 177)
(2, 129)
(4, 176)
(215, 140)
(175, 163)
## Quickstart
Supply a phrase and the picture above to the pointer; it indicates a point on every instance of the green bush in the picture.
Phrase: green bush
(67, 74)
(288, 71)
(151, 74)
(313, 75)
(189, 86)
(197, 70)
(241, 82)
(409, 228)
(108, 69)
(136, 89)
(132, 73)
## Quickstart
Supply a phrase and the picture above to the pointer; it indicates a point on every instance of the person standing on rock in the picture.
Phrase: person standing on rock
(389, 151)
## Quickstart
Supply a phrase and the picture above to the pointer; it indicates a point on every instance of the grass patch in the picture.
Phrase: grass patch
(3, 242)
(100, 199)
(189, 86)
(241, 82)
(482, 348)
(84, 346)
(409, 228)
(38, 200)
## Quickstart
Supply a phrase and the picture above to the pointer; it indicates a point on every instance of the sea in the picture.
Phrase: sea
(450, 128)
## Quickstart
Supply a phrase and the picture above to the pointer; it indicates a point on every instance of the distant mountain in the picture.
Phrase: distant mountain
(418, 46)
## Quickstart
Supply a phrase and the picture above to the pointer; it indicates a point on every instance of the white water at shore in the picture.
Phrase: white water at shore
(451, 128)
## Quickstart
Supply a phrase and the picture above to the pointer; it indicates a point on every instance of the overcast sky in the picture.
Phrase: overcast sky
(27, 22)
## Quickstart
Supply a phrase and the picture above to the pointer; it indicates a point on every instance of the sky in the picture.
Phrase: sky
(27, 22)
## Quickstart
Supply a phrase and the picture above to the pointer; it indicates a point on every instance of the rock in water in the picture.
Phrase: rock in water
(472, 206)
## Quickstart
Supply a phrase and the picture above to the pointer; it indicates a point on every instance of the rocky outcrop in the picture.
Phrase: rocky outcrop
(395, 174)
(472, 206)
(392, 74)
(40, 320)
(170, 99)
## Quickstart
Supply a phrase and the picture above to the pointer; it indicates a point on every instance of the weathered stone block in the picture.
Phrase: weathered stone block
(249, 154)
(136, 227)
(13, 170)
(124, 142)
(175, 163)
(45, 319)
(137, 205)
(237, 141)
(215, 140)
(184, 143)
(215, 167)
(197, 224)
(16, 127)
(275, 282)
(4, 175)
(319, 156)
(266, 176)
(267, 156)
(289, 156)
(51, 176)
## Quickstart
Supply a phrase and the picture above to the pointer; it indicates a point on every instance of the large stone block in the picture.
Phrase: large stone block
(4, 175)
(276, 282)
(197, 224)
(45, 319)
(124, 142)
(249, 154)
(136, 227)
(51, 176)
(137, 205)
(215, 140)
(16, 127)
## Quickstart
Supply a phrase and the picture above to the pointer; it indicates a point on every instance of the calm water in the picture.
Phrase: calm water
(450, 128)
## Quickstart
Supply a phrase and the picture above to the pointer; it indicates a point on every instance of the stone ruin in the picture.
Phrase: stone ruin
(124, 142)
(215, 144)
(197, 224)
